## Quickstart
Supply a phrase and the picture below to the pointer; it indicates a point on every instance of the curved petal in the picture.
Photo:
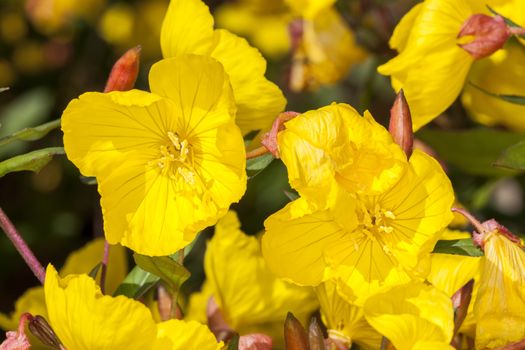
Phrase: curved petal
(259, 101)
(451, 272)
(86, 258)
(186, 335)
(401, 33)
(84, 319)
(294, 243)
(101, 130)
(411, 314)
(187, 28)
(199, 89)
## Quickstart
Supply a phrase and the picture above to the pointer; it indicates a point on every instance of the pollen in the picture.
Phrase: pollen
(375, 220)
(176, 158)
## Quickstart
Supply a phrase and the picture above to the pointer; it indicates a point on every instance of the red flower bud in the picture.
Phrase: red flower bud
(270, 138)
(400, 126)
(295, 337)
(489, 35)
(124, 72)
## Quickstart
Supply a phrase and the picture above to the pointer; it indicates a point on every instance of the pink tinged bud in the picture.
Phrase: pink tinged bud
(489, 34)
(461, 301)
(124, 72)
(315, 335)
(483, 229)
(269, 140)
(295, 337)
(400, 126)
(216, 322)
(17, 340)
(256, 341)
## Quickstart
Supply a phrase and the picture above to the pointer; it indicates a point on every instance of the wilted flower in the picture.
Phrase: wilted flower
(168, 163)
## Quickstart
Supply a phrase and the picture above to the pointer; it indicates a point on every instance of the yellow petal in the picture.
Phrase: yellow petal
(345, 321)
(200, 90)
(500, 303)
(334, 146)
(308, 8)
(183, 335)
(294, 243)
(451, 272)
(85, 319)
(401, 33)
(31, 301)
(86, 258)
(411, 314)
(500, 73)
(187, 28)
(259, 101)
(251, 297)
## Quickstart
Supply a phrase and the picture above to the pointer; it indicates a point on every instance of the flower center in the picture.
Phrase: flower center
(176, 158)
(375, 220)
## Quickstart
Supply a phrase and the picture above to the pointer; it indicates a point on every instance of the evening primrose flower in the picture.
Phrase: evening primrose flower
(431, 67)
(188, 28)
(335, 147)
(501, 73)
(250, 297)
(80, 261)
(365, 241)
(414, 316)
(500, 303)
(345, 322)
(168, 163)
(83, 318)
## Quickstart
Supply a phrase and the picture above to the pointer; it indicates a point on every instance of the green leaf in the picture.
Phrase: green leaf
(164, 267)
(513, 157)
(457, 247)
(515, 99)
(30, 134)
(255, 165)
(473, 151)
(32, 161)
(136, 283)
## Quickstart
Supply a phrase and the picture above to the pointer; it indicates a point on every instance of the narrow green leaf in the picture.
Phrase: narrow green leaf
(473, 151)
(515, 99)
(30, 134)
(164, 267)
(32, 161)
(457, 247)
(255, 165)
(513, 157)
(136, 283)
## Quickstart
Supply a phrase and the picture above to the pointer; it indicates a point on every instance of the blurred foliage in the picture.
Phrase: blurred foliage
(47, 61)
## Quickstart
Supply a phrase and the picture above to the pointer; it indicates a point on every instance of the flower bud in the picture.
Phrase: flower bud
(488, 35)
(461, 301)
(315, 335)
(255, 341)
(43, 331)
(400, 126)
(124, 72)
(295, 337)
(17, 340)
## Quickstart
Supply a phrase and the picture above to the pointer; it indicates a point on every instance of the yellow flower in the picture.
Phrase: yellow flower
(414, 316)
(325, 52)
(168, 163)
(364, 241)
(345, 321)
(250, 297)
(188, 28)
(500, 304)
(309, 8)
(501, 73)
(431, 67)
(80, 261)
(83, 318)
(270, 35)
(335, 147)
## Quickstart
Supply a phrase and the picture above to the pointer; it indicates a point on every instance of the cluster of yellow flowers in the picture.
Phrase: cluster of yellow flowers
(358, 241)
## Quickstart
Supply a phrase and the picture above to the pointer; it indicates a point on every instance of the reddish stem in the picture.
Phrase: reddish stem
(477, 225)
(259, 151)
(104, 267)
(22, 247)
